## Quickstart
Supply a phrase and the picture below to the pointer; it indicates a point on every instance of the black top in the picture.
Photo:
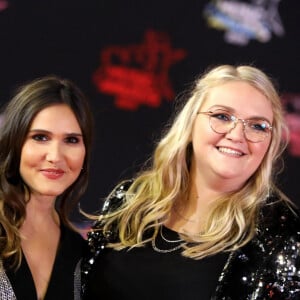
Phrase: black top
(143, 273)
(61, 285)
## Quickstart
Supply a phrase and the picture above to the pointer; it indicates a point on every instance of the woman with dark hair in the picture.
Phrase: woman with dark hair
(205, 220)
(45, 142)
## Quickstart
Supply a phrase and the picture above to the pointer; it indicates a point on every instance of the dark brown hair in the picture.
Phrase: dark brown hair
(18, 115)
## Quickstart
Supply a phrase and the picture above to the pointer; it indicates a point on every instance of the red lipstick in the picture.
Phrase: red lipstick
(53, 173)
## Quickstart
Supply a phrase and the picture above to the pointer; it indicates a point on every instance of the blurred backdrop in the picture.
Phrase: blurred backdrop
(133, 59)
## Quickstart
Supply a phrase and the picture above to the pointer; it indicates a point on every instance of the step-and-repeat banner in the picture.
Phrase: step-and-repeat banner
(133, 58)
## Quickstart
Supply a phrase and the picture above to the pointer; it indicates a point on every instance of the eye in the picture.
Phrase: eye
(40, 137)
(72, 140)
(221, 115)
(259, 125)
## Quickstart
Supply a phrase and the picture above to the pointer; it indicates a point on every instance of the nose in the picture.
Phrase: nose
(54, 152)
(237, 131)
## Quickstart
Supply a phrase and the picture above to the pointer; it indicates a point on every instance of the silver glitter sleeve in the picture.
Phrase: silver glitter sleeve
(6, 291)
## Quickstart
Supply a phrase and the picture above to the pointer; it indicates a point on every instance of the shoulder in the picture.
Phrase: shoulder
(117, 197)
(97, 237)
(279, 218)
(70, 235)
(71, 242)
(269, 263)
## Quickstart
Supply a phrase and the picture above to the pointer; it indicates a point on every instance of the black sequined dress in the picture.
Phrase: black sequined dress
(268, 267)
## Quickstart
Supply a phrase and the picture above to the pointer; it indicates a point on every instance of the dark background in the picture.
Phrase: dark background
(68, 37)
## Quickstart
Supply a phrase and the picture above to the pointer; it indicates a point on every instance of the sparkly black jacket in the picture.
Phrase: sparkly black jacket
(268, 267)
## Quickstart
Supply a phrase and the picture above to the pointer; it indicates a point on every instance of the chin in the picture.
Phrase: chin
(51, 193)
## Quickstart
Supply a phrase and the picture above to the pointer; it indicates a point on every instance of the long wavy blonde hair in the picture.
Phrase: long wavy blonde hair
(233, 218)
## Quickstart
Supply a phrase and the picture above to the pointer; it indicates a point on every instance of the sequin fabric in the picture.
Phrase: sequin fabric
(268, 267)
(6, 291)
(77, 281)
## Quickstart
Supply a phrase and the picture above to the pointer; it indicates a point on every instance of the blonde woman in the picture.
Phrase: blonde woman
(205, 219)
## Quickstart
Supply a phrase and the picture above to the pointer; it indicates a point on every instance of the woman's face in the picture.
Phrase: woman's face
(229, 159)
(53, 152)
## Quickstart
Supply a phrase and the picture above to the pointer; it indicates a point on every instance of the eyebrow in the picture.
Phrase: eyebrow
(49, 132)
(232, 110)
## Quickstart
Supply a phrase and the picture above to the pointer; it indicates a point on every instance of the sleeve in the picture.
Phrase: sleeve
(285, 268)
(6, 290)
(97, 238)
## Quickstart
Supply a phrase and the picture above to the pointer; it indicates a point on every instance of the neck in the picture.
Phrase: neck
(41, 209)
(190, 214)
(212, 184)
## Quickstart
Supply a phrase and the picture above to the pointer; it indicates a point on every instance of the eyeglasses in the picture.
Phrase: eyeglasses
(255, 130)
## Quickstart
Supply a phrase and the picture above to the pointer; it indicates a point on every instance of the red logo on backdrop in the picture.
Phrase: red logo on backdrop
(138, 74)
(292, 106)
(3, 5)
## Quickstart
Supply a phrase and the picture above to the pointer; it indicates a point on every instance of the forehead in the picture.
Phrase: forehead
(241, 98)
(56, 117)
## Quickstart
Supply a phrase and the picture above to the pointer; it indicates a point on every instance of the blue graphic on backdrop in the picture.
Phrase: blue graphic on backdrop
(245, 21)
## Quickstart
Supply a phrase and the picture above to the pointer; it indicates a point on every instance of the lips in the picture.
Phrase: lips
(230, 151)
(52, 173)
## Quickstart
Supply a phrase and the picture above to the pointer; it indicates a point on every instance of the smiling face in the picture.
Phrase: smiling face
(53, 152)
(229, 158)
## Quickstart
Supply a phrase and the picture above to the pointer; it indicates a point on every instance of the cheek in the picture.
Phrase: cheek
(200, 131)
(27, 163)
(28, 155)
(259, 150)
(204, 135)
(76, 159)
